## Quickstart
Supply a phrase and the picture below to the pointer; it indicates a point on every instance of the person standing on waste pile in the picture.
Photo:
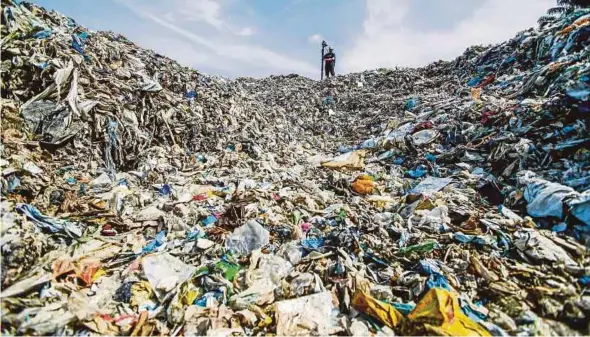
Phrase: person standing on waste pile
(329, 62)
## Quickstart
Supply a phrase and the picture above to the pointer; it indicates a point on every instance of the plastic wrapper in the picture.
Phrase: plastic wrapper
(383, 312)
(439, 314)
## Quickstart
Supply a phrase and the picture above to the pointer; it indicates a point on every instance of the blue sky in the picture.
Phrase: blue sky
(262, 37)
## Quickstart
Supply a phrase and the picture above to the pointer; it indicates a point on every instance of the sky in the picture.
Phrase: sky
(262, 37)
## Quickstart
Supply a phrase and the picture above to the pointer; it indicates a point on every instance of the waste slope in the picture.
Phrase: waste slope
(140, 197)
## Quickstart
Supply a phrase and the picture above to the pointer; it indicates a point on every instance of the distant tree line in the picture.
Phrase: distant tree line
(563, 7)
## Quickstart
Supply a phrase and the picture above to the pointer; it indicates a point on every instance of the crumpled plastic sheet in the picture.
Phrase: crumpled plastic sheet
(72, 229)
(439, 314)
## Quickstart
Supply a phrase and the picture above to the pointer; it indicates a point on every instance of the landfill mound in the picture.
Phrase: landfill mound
(141, 197)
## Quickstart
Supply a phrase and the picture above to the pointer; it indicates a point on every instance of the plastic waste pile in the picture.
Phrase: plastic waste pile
(140, 197)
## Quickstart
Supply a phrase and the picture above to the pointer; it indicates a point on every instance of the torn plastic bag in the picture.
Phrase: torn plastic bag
(150, 213)
(482, 240)
(424, 137)
(435, 279)
(247, 238)
(26, 285)
(50, 121)
(73, 229)
(382, 311)
(43, 34)
(101, 181)
(32, 168)
(269, 266)
(155, 243)
(436, 220)
(264, 275)
(291, 252)
(151, 84)
(398, 136)
(165, 272)
(78, 41)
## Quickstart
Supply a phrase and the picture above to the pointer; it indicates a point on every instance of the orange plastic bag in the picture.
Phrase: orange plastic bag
(89, 271)
(363, 184)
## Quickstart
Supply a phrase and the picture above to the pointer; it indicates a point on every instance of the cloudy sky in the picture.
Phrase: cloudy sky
(262, 37)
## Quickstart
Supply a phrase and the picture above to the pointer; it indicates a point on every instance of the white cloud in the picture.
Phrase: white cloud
(246, 31)
(208, 11)
(220, 50)
(386, 42)
(315, 38)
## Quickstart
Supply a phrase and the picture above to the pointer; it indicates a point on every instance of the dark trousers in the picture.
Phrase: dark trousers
(329, 70)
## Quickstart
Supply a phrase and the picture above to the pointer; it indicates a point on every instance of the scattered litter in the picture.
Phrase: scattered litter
(141, 197)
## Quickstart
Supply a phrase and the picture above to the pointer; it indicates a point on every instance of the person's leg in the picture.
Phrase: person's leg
(332, 72)
(327, 71)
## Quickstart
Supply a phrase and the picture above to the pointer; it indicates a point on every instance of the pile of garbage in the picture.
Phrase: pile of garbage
(140, 197)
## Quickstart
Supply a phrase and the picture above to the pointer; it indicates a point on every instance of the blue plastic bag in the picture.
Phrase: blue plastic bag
(165, 190)
(42, 34)
(404, 308)
(411, 104)
(155, 243)
(312, 243)
(437, 280)
(211, 219)
(13, 183)
(473, 82)
(418, 172)
(54, 225)
(191, 94)
(202, 301)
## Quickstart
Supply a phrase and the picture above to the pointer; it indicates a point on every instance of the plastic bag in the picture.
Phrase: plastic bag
(247, 238)
(165, 271)
(349, 160)
(439, 314)
(384, 312)
(305, 316)
(545, 199)
(363, 184)
(430, 185)
(73, 229)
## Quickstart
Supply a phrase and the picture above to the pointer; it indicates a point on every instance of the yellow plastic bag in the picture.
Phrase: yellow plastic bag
(141, 292)
(363, 184)
(438, 314)
(185, 296)
(384, 312)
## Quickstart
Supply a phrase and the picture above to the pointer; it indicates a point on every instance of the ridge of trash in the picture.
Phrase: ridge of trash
(141, 197)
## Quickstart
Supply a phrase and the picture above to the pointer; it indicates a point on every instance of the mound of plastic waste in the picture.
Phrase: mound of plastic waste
(140, 197)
